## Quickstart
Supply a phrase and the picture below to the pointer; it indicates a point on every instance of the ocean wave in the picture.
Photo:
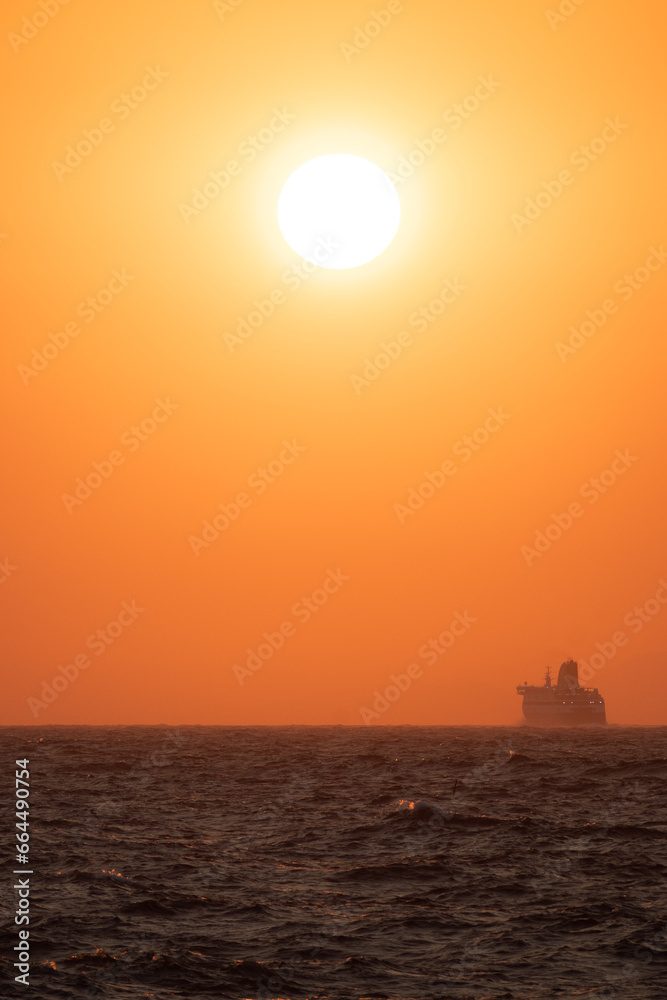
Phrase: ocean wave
(411, 863)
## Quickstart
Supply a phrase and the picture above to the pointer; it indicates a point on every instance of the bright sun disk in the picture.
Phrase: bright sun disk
(339, 211)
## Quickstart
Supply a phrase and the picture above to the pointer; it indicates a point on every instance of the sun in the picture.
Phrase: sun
(339, 211)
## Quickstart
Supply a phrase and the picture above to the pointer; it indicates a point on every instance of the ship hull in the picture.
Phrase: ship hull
(552, 717)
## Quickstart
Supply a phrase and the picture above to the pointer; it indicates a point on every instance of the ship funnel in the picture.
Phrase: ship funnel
(568, 675)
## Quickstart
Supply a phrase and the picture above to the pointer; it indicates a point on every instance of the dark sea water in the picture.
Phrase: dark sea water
(341, 863)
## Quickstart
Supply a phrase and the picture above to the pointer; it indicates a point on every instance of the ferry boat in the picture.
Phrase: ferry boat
(565, 703)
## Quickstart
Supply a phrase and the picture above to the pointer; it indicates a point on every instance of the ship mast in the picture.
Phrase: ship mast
(547, 678)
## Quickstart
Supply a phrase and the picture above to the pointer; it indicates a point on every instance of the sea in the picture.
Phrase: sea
(338, 863)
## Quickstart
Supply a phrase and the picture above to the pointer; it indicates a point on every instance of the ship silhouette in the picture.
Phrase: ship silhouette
(565, 703)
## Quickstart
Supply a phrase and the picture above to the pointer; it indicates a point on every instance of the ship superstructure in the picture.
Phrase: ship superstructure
(565, 703)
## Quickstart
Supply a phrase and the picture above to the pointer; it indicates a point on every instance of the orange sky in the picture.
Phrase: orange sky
(528, 149)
